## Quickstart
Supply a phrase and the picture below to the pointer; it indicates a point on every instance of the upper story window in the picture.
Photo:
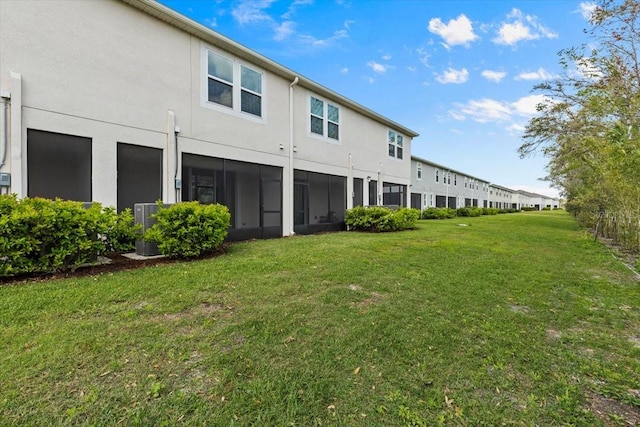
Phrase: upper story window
(419, 170)
(455, 179)
(396, 145)
(437, 175)
(234, 85)
(465, 183)
(325, 118)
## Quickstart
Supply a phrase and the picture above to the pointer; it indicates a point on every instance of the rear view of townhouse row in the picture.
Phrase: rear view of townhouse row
(127, 101)
(434, 185)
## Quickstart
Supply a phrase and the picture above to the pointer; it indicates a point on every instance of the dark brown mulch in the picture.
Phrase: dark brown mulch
(118, 262)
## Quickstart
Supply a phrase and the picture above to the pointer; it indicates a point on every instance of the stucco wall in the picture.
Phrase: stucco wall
(107, 71)
(428, 185)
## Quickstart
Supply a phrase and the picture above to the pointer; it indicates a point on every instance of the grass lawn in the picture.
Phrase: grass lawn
(517, 319)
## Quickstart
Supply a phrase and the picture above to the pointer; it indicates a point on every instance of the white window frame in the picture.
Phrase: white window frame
(236, 87)
(419, 171)
(325, 120)
(397, 141)
(437, 175)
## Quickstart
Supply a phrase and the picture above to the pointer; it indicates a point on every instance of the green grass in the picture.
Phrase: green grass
(510, 320)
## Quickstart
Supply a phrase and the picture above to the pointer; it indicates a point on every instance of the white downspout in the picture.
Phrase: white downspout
(4, 96)
(290, 212)
(350, 186)
(380, 186)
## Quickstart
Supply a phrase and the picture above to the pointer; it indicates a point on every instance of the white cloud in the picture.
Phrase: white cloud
(494, 76)
(521, 27)
(377, 67)
(458, 31)
(511, 34)
(412, 69)
(587, 69)
(453, 76)
(490, 110)
(457, 115)
(386, 57)
(527, 105)
(371, 80)
(344, 70)
(292, 9)
(284, 30)
(482, 111)
(329, 41)
(540, 74)
(251, 11)
(516, 129)
(424, 56)
(586, 8)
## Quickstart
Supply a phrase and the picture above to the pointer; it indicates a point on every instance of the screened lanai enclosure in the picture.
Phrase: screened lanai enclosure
(319, 202)
(252, 192)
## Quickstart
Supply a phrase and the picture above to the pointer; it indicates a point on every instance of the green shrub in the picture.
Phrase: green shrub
(490, 211)
(469, 211)
(378, 218)
(438, 213)
(406, 218)
(189, 229)
(121, 232)
(529, 209)
(462, 212)
(40, 235)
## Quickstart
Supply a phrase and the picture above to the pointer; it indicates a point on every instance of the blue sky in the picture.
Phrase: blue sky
(460, 73)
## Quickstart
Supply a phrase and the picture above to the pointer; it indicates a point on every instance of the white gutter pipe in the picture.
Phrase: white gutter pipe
(4, 96)
(291, 174)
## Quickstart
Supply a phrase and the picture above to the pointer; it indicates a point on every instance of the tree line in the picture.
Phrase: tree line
(589, 125)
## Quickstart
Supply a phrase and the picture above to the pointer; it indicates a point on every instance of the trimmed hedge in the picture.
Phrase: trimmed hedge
(380, 219)
(469, 211)
(189, 229)
(44, 236)
(438, 213)
(447, 213)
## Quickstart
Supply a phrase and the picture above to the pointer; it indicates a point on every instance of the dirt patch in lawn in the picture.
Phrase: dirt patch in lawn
(612, 412)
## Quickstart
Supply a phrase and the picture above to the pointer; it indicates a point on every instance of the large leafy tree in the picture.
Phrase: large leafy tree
(589, 123)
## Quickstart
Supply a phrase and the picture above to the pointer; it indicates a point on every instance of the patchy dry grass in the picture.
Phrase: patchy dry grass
(512, 320)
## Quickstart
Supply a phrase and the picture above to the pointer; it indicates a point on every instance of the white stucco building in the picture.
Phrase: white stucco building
(526, 199)
(434, 185)
(128, 101)
(501, 197)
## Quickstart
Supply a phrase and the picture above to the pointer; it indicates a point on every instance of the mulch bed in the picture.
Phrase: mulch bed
(111, 264)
